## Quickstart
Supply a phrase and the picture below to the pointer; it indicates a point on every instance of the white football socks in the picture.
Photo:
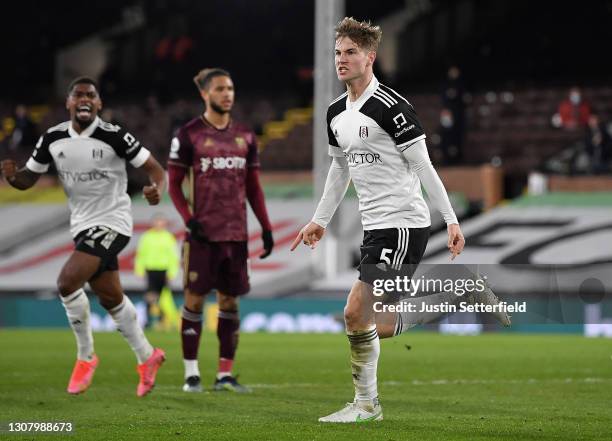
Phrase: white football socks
(365, 349)
(124, 316)
(77, 310)
(191, 368)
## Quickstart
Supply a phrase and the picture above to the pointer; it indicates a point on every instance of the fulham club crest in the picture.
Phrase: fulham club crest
(363, 132)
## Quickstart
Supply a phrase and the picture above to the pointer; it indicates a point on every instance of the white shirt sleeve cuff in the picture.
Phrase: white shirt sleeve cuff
(36, 167)
(335, 151)
(140, 158)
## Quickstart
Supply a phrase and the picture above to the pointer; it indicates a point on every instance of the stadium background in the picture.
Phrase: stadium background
(528, 187)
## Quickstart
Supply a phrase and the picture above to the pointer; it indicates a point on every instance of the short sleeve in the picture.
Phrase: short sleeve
(41, 157)
(181, 149)
(401, 123)
(253, 153)
(127, 146)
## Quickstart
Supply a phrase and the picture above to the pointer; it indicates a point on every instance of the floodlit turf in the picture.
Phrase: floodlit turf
(539, 387)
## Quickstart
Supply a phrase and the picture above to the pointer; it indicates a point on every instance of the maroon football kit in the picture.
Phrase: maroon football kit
(223, 169)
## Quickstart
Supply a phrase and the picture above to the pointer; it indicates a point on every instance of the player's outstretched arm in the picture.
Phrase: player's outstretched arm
(157, 176)
(21, 179)
(336, 184)
(419, 161)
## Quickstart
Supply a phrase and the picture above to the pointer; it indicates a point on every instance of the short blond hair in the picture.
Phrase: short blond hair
(363, 33)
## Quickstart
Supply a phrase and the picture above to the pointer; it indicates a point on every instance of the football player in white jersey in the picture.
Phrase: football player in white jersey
(90, 156)
(376, 140)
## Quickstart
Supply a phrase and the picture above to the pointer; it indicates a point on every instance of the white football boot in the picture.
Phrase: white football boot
(354, 413)
(488, 297)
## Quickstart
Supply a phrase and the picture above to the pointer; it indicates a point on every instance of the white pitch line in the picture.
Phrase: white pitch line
(435, 382)
(443, 382)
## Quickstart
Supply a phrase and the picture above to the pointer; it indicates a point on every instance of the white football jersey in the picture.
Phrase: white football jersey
(91, 166)
(371, 133)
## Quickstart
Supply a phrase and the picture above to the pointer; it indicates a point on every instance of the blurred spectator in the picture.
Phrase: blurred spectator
(450, 138)
(24, 134)
(454, 97)
(108, 115)
(152, 107)
(110, 80)
(573, 112)
(304, 77)
(181, 115)
(598, 144)
(171, 57)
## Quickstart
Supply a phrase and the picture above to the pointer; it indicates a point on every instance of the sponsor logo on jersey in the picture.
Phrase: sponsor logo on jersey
(75, 176)
(241, 142)
(129, 139)
(134, 147)
(97, 153)
(399, 120)
(209, 143)
(132, 143)
(404, 130)
(223, 163)
(357, 158)
(205, 163)
(175, 145)
(61, 155)
(363, 132)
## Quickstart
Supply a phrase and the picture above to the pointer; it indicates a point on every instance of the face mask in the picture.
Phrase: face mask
(575, 98)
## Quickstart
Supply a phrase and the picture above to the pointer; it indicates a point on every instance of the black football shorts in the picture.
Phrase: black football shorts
(391, 252)
(156, 280)
(103, 242)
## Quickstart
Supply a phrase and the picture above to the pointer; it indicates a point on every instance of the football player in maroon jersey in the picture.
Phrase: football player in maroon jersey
(220, 157)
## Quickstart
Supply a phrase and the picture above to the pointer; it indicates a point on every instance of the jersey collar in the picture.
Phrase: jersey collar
(367, 93)
(209, 124)
(85, 133)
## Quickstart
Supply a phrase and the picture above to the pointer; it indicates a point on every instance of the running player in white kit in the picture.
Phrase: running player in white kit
(376, 140)
(90, 156)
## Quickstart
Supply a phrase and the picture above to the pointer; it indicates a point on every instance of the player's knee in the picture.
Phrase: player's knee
(66, 285)
(194, 303)
(227, 303)
(109, 301)
(352, 315)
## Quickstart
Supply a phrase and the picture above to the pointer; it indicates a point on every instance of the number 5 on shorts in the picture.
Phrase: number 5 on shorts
(383, 255)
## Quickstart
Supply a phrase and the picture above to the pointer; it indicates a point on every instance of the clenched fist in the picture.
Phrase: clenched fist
(152, 194)
(9, 169)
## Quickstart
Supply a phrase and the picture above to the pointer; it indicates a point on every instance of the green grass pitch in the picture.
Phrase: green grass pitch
(511, 387)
